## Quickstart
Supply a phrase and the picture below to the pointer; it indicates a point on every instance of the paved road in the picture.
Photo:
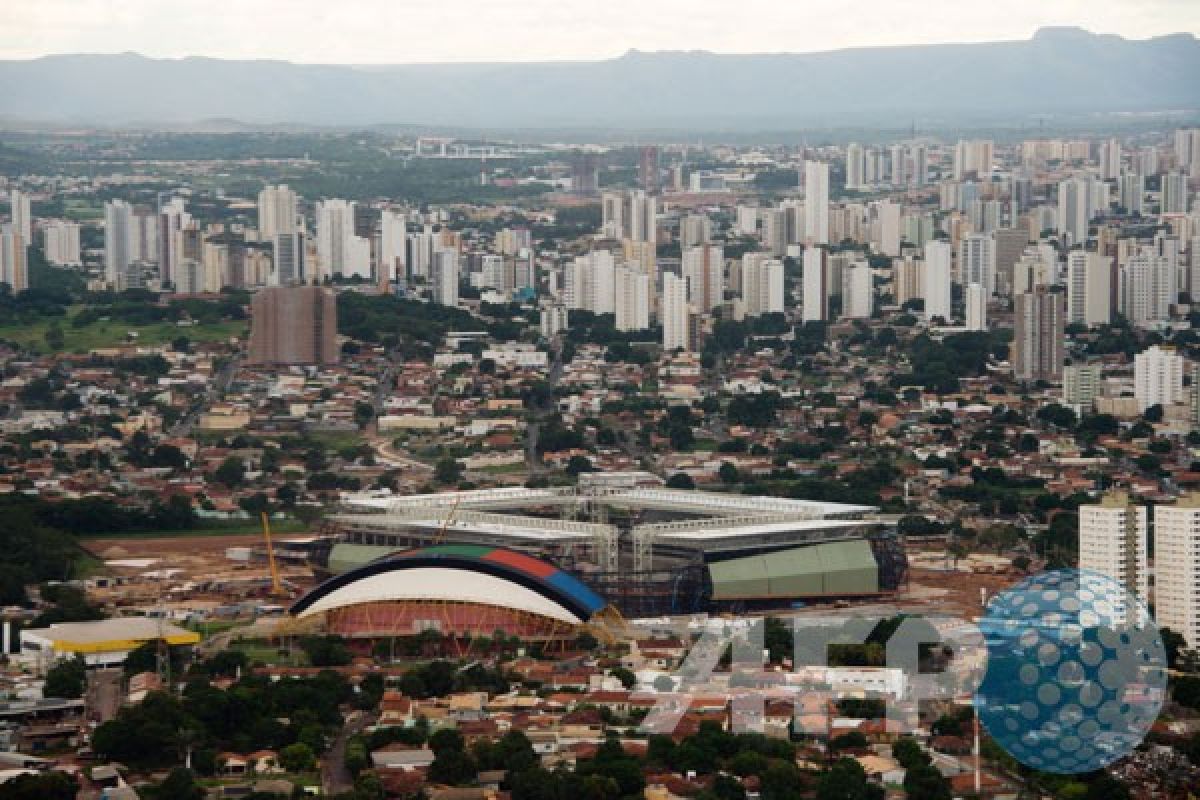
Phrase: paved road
(335, 778)
(220, 384)
(533, 461)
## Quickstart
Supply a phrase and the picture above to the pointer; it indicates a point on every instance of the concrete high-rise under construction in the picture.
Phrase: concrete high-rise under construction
(294, 325)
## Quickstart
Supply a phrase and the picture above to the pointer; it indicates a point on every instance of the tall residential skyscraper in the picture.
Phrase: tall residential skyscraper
(1177, 568)
(704, 269)
(906, 279)
(1158, 377)
(444, 277)
(631, 214)
(973, 157)
(589, 282)
(1133, 192)
(816, 202)
(858, 294)
(977, 261)
(631, 298)
(854, 167)
(293, 325)
(1175, 193)
(1113, 538)
(815, 299)
(1110, 159)
(277, 212)
(172, 218)
(1187, 146)
(1038, 342)
(393, 242)
(936, 279)
(61, 243)
(287, 259)
(21, 218)
(976, 298)
(762, 284)
(117, 256)
(1146, 289)
(14, 261)
(339, 250)
(889, 228)
(1089, 288)
(1078, 201)
(694, 229)
(774, 231)
(920, 165)
(674, 314)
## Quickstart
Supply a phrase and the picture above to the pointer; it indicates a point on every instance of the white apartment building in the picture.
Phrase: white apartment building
(61, 243)
(1177, 568)
(816, 201)
(1158, 377)
(632, 298)
(674, 313)
(976, 298)
(858, 295)
(1089, 289)
(704, 269)
(936, 279)
(762, 284)
(1113, 540)
(815, 300)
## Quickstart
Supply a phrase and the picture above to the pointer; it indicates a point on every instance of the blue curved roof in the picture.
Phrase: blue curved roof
(535, 574)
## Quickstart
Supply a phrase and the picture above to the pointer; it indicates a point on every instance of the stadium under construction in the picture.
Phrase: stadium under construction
(646, 550)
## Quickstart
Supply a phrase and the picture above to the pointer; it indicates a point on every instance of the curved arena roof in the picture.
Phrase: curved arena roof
(459, 573)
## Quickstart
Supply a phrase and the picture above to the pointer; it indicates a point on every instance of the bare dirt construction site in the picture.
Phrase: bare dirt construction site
(193, 572)
(167, 547)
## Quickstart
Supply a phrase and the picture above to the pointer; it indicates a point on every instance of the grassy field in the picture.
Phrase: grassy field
(109, 334)
(258, 650)
(239, 528)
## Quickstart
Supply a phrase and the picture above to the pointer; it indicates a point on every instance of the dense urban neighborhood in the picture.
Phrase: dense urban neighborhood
(368, 465)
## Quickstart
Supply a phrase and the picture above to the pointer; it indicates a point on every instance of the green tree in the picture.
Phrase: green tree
(447, 471)
(297, 757)
(680, 480)
(925, 782)
(1186, 691)
(452, 767)
(625, 676)
(846, 780)
(908, 752)
(67, 678)
(231, 473)
(40, 786)
(180, 784)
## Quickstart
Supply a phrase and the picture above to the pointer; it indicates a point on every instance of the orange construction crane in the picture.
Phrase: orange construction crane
(441, 534)
(276, 584)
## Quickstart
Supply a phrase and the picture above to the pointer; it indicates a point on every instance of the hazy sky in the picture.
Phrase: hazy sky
(401, 31)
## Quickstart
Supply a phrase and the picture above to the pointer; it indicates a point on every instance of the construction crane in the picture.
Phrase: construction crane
(441, 534)
(276, 584)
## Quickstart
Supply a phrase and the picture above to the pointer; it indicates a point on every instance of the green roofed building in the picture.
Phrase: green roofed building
(832, 569)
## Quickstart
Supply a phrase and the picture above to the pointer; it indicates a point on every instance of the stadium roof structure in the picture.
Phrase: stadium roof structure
(719, 521)
(489, 576)
(829, 568)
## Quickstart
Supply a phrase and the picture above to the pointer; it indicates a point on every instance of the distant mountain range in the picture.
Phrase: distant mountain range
(1058, 71)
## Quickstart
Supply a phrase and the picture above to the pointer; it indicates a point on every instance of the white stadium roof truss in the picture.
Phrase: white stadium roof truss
(729, 521)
